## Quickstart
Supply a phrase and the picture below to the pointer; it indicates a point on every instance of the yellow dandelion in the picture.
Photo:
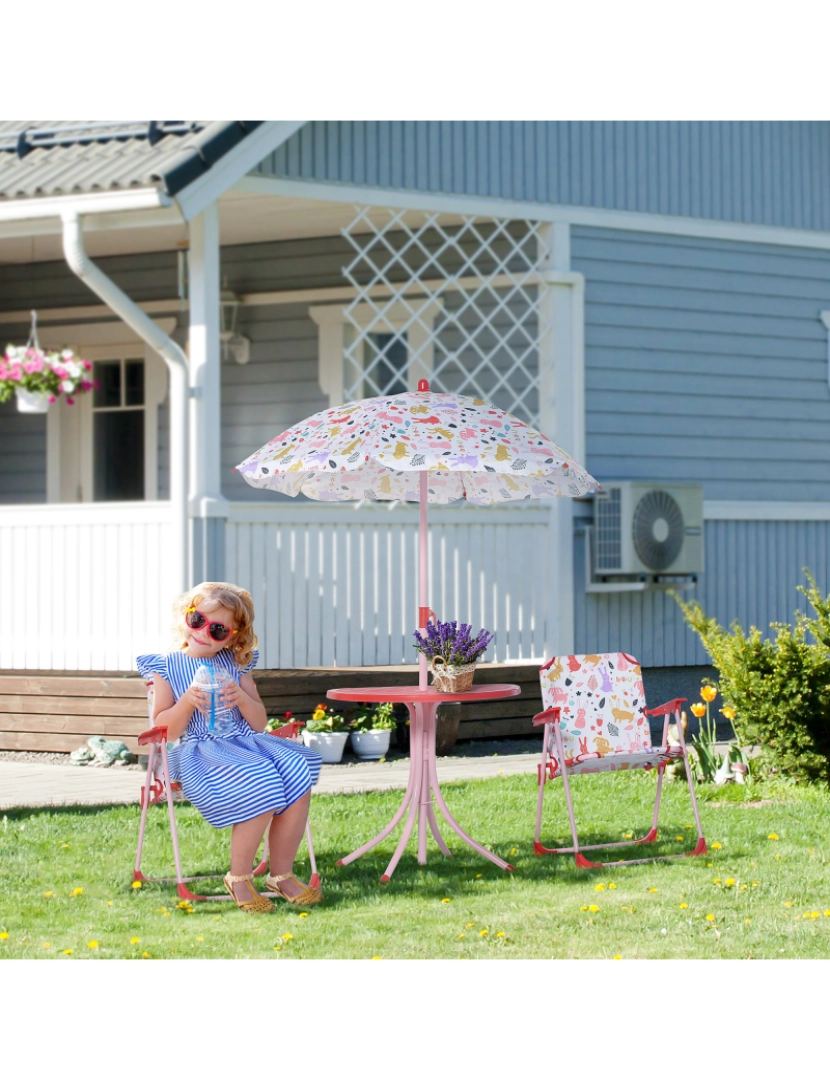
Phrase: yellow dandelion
(200, 938)
(3, 935)
(478, 875)
(47, 944)
(68, 952)
(584, 907)
(710, 918)
(747, 922)
(652, 890)
(618, 956)
(460, 936)
(377, 957)
(730, 881)
(678, 838)
(287, 937)
(134, 940)
(92, 944)
(684, 906)
(145, 956)
(501, 933)
(303, 914)
(446, 900)
(788, 903)
(611, 885)
(50, 893)
(773, 836)
(754, 883)
(599, 888)
(743, 888)
(109, 903)
(483, 933)
(716, 846)
(593, 908)
(827, 913)
(136, 885)
(716, 881)
(469, 925)
(76, 891)
(513, 851)
(277, 948)
(628, 835)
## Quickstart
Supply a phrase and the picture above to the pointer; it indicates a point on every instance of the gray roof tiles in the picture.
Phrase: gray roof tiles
(40, 158)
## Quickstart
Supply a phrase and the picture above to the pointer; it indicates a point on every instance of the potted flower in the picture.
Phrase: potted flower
(285, 726)
(372, 730)
(452, 653)
(326, 732)
(38, 378)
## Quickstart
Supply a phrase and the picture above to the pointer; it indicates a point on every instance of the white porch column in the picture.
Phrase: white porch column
(561, 413)
(207, 505)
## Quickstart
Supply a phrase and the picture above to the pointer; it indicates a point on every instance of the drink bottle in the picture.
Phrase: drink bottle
(212, 681)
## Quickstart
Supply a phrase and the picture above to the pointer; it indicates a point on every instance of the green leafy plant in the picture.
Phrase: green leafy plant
(325, 721)
(374, 718)
(777, 689)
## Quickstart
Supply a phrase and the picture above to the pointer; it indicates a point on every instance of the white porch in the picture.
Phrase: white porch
(89, 585)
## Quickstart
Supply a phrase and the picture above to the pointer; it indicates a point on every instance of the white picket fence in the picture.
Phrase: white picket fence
(338, 585)
(87, 587)
(84, 587)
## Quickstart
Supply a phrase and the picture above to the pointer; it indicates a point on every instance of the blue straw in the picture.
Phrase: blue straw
(212, 709)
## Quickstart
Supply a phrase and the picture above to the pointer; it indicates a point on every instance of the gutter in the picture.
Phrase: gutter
(174, 356)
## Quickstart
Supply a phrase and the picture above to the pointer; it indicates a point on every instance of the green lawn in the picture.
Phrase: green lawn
(750, 897)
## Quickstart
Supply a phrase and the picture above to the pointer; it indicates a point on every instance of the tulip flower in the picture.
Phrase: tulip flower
(699, 709)
(708, 693)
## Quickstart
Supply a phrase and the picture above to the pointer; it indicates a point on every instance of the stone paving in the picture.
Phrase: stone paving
(30, 784)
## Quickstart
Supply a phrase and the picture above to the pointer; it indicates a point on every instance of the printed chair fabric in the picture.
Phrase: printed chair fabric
(603, 721)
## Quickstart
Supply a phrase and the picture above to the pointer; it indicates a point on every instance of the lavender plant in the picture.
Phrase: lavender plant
(453, 642)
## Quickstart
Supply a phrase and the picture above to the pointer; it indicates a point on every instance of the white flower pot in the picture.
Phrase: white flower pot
(32, 401)
(328, 744)
(371, 745)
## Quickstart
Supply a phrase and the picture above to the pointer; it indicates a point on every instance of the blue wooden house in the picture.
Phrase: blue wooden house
(655, 296)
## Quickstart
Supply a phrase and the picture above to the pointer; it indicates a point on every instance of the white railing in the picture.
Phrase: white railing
(83, 587)
(337, 585)
(88, 587)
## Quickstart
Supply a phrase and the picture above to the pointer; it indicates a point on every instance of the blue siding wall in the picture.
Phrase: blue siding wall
(22, 456)
(753, 569)
(706, 361)
(771, 172)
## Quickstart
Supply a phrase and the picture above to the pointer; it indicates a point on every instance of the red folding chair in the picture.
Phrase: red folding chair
(158, 787)
(595, 720)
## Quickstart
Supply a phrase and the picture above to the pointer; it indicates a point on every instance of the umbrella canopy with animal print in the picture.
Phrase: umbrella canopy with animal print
(374, 449)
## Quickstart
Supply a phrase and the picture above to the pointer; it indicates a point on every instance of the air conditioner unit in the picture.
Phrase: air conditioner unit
(643, 527)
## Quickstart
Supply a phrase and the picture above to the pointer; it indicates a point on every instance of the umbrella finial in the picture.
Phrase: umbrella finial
(423, 386)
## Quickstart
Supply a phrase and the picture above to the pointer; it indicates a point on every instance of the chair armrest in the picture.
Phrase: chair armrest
(669, 707)
(288, 731)
(552, 715)
(155, 734)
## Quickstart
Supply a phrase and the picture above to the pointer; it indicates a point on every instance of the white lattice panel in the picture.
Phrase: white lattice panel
(457, 303)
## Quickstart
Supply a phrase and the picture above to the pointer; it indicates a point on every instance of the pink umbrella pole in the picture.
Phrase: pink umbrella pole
(423, 609)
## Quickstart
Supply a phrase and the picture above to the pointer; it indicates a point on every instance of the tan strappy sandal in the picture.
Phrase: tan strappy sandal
(306, 898)
(256, 904)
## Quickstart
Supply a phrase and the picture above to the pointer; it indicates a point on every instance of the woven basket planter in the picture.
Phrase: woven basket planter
(451, 678)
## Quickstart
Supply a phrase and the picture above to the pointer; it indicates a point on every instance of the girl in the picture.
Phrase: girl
(241, 777)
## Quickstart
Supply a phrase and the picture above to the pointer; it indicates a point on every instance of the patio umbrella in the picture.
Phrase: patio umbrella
(419, 447)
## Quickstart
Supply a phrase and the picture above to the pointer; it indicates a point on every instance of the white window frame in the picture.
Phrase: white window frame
(69, 442)
(338, 332)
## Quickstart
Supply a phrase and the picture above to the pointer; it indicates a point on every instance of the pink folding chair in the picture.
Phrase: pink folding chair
(158, 787)
(595, 720)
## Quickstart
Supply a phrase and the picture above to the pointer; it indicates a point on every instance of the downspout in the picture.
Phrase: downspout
(176, 360)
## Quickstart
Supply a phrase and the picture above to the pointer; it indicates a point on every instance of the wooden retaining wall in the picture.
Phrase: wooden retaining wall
(48, 712)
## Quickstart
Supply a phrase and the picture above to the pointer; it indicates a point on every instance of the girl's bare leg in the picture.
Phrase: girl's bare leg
(245, 838)
(284, 838)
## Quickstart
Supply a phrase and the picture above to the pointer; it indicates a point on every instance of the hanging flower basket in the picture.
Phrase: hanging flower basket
(38, 378)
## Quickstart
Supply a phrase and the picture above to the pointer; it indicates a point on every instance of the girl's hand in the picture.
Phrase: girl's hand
(196, 698)
(232, 695)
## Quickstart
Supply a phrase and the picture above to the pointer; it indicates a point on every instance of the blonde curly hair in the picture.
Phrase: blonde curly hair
(210, 595)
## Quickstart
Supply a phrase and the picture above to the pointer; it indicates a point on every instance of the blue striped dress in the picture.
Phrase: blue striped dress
(241, 773)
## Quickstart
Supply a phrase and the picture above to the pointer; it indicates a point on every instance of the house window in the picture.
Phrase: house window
(118, 430)
(386, 363)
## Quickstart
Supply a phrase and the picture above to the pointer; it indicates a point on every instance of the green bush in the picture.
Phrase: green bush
(779, 687)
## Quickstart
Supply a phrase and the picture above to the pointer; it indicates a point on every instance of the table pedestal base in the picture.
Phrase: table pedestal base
(417, 802)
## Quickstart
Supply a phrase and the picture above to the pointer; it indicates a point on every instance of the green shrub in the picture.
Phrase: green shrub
(779, 687)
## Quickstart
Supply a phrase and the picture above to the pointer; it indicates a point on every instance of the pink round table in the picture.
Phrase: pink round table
(423, 778)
